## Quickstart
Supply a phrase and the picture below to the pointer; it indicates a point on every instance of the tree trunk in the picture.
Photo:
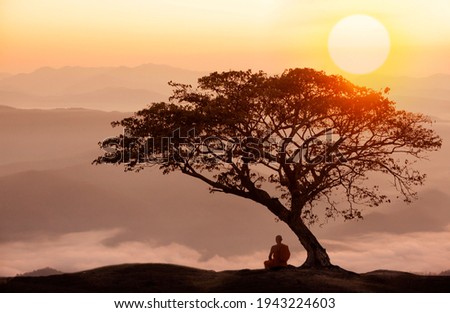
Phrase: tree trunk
(317, 256)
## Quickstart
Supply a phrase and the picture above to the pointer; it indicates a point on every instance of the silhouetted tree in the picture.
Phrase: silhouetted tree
(288, 142)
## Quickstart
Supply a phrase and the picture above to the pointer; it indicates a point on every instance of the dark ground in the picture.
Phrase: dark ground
(174, 278)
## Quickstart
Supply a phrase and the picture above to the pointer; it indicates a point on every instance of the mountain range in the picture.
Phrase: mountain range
(50, 193)
(105, 88)
(42, 272)
(132, 88)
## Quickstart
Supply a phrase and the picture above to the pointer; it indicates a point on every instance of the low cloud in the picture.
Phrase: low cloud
(422, 252)
(85, 250)
(419, 252)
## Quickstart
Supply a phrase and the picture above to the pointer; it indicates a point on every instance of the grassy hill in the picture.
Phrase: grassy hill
(174, 278)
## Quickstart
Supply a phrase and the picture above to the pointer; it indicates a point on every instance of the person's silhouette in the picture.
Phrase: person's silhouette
(278, 256)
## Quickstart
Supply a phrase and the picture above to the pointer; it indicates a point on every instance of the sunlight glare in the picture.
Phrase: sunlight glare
(359, 44)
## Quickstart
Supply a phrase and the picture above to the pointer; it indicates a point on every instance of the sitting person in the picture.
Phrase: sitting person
(278, 256)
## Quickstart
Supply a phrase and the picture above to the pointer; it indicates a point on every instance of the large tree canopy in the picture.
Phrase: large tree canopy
(289, 142)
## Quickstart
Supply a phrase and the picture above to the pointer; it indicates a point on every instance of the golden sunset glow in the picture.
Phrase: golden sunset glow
(215, 35)
(359, 44)
(284, 102)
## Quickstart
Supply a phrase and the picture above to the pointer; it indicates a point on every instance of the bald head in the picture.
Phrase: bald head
(278, 239)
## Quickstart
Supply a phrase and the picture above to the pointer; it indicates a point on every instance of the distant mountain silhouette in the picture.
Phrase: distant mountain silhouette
(58, 181)
(58, 204)
(108, 88)
(47, 271)
(432, 82)
(131, 88)
(3, 75)
(108, 99)
(6, 108)
(52, 135)
(429, 95)
(63, 142)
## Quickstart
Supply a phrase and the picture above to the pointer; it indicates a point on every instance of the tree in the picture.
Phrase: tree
(302, 144)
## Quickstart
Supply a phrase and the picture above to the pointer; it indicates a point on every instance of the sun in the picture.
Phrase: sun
(359, 44)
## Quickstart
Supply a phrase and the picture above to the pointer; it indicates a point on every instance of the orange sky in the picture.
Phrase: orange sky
(214, 35)
(201, 35)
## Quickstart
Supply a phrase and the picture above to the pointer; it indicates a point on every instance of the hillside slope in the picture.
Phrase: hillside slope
(174, 278)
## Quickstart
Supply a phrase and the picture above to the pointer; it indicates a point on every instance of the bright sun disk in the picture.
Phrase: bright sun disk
(359, 44)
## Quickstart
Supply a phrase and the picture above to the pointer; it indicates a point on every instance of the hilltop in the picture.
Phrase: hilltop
(47, 271)
(175, 278)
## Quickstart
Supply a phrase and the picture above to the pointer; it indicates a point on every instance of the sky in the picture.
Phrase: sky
(210, 35)
(41, 228)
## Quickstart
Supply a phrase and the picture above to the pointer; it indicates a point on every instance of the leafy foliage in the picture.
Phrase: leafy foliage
(287, 141)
